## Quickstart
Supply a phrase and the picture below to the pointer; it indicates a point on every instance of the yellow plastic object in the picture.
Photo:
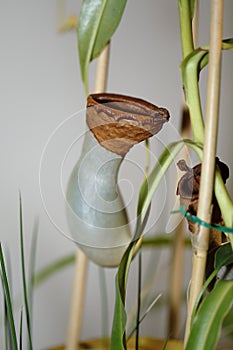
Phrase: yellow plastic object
(144, 344)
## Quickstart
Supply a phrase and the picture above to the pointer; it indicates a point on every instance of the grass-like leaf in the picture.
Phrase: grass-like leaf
(25, 292)
(118, 339)
(150, 184)
(7, 297)
(148, 188)
(6, 325)
(208, 321)
(7, 333)
(21, 331)
(98, 21)
(152, 304)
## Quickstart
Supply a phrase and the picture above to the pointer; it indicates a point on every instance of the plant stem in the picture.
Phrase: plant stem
(186, 27)
(201, 238)
(188, 32)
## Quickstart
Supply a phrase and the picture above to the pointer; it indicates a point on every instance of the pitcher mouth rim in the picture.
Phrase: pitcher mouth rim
(134, 105)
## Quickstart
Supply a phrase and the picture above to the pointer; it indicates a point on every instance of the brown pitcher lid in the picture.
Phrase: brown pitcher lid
(118, 122)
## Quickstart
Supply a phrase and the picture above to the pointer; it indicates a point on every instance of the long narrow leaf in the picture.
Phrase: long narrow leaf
(98, 21)
(7, 334)
(118, 337)
(25, 293)
(8, 300)
(145, 314)
(209, 318)
(21, 331)
(149, 186)
(118, 340)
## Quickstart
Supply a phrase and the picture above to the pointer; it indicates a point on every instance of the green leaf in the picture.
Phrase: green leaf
(209, 318)
(7, 331)
(190, 69)
(151, 183)
(21, 331)
(223, 256)
(227, 329)
(148, 188)
(97, 23)
(186, 33)
(110, 20)
(198, 59)
(118, 340)
(7, 297)
(227, 44)
(25, 293)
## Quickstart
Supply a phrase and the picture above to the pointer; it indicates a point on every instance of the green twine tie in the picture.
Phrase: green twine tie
(200, 222)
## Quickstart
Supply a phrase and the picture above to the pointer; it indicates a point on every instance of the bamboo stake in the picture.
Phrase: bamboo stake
(195, 24)
(176, 272)
(77, 301)
(201, 238)
(102, 70)
(81, 265)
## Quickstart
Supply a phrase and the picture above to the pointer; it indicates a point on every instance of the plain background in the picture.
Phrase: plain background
(40, 88)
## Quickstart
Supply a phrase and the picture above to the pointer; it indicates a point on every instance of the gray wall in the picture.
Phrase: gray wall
(40, 88)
